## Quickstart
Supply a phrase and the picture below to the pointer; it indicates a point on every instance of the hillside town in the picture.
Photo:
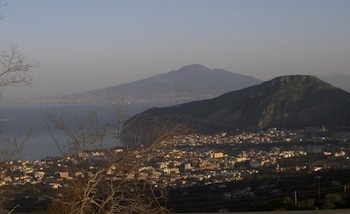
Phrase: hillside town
(190, 166)
(187, 160)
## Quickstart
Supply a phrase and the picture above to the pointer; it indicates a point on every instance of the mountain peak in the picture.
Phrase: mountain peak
(300, 81)
(191, 82)
(194, 67)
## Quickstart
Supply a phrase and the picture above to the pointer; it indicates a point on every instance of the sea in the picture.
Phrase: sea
(17, 120)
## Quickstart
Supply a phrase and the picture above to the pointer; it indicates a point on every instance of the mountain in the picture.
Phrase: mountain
(192, 82)
(296, 101)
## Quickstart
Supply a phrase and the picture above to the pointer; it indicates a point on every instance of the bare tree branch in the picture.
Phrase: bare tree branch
(12, 146)
(113, 185)
(14, 68)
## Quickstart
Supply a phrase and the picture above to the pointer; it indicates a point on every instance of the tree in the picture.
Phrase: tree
(332, 200)
(308, 204)
(288, 203)
(110, 184)
(113, 182)
(15, 70)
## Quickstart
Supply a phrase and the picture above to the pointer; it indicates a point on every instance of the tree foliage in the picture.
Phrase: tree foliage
(332, 200)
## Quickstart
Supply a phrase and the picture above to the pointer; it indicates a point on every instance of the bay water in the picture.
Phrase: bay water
(17, 120)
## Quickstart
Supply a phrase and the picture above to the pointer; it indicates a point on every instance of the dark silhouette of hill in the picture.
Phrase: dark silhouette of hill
(192, 82)
(296, 101)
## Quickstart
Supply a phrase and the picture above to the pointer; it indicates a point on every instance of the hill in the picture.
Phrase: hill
(296, 101)
(192, 82)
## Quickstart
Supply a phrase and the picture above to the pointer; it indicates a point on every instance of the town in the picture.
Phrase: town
(195, 160)
(187, 160)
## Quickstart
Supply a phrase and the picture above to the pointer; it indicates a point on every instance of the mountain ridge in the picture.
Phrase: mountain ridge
(191, 82)
(295, 101)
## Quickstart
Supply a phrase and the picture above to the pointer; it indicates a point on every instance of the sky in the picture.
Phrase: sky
(82, 45)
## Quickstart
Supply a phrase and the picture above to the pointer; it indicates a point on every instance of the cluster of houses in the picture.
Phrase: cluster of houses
(186, 160)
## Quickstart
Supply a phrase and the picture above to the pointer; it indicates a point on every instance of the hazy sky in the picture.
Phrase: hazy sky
(83, 45)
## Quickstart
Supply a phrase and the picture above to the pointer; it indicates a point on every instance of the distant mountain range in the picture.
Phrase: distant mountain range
(192, 82)
(296, 101)
(189, 83)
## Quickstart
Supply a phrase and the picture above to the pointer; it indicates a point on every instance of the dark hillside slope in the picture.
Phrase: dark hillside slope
(284, 102)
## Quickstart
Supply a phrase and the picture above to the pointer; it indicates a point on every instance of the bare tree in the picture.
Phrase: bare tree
(12, 146)
(15, 70)
(113, 182)
(14, 66)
